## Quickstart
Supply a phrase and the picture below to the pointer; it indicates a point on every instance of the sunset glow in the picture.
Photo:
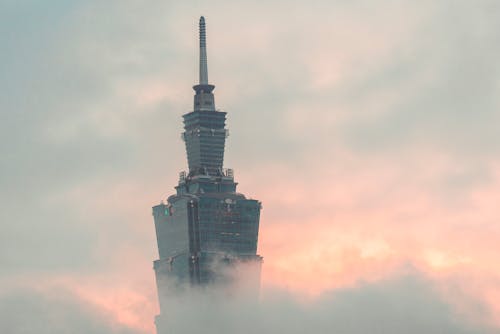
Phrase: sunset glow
(369, 132)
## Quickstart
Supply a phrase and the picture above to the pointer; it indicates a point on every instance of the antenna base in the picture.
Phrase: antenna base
(203, 88)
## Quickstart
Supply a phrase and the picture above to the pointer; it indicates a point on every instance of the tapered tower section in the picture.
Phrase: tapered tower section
(204, 128)
(206, 228)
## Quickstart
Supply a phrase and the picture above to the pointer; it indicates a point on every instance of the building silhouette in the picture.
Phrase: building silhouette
(206, 227)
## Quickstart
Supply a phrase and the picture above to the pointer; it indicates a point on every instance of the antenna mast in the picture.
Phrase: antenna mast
(203, 53)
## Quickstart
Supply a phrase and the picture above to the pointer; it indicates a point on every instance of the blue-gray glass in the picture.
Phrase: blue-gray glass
(205, 137)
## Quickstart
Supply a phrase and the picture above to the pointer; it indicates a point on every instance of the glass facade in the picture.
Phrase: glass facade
(205, 137)
(205, 223)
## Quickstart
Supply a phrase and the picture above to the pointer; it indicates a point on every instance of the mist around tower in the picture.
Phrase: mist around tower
(208, 273)
(278, 167)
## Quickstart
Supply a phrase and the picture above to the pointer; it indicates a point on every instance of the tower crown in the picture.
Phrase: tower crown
(205, 133)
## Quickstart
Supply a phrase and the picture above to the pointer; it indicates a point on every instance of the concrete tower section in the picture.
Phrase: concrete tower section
(205, 228)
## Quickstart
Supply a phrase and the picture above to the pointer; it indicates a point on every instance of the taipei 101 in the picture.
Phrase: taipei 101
(252, 168)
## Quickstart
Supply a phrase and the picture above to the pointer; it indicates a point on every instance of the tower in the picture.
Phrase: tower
(206, 227)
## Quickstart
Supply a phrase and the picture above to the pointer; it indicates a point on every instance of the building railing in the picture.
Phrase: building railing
(224, 173)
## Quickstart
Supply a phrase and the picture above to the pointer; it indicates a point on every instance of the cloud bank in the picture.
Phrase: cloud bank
(368, 130)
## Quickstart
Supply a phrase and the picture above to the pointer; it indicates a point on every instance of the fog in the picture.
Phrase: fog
(369, 131)
(409, 304)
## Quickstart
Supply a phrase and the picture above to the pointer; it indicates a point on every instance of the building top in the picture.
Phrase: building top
(204, 127)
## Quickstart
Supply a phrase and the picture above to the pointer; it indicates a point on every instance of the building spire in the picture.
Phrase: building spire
(203, 53)
(204, 99)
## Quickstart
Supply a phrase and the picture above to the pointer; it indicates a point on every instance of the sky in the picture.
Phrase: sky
(368, 130)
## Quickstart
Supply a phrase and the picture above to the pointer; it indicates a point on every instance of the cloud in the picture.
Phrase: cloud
(403, 304)
(52, 312)
(368, 130)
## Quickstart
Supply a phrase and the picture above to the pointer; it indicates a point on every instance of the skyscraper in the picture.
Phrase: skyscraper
(206, 227)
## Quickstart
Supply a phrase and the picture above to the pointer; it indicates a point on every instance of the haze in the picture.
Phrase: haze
(369, 131)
